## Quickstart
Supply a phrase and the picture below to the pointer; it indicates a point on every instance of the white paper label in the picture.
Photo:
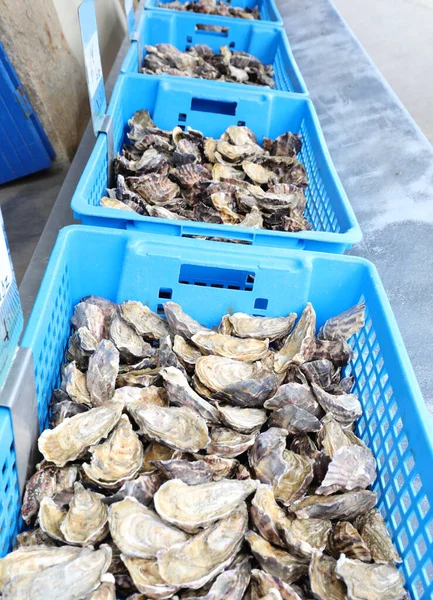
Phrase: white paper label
(92, 60)
(5, 267)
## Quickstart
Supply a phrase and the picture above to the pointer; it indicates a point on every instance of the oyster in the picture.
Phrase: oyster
(51, 515)
(267, 515)
(228, 443)
(130, 395)
(265, 583)
(344, 325)
(192, 473)
(339, 506)
(300, 344)
(73, 436)
(74, 384)
(345, 539)
(373, 530)
(244, 349)
(70, 581)
(106, 591)
(118, 459)
(130, 345)
(178, 427)
(332, 436)
(195, 562)
(92, 317)
(244, 420)
(63, 410)
(276, 561)
(86, 520)
(295, 420)
(147, 579)
(192, 507)
(248, 393)
(139, 532)
(102, 372)
(33, 537)
(186, 352)
(303, 537)
(337, 351)
(370, 582)
(217, 372)
(141, 377)
(156, 451)
(221, 467)
(351, 468)
(145, 322)
(181, 394)
(261, 328)
(166, 356)
(231, 584)
(45, 483)
(320, 372)
(142, 489)
(296, 394)
(345, 408)
(324, 582)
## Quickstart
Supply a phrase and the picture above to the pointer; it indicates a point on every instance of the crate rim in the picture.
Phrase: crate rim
(353, 234)
(421, 413)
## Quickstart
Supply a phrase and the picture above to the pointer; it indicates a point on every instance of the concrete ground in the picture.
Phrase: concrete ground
(398, 36)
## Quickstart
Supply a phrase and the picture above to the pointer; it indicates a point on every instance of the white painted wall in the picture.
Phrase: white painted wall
(111, 28)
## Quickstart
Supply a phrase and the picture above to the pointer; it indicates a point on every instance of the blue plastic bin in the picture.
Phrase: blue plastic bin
(209, 279)
(268, 43)
(267, 8)
(203, 106)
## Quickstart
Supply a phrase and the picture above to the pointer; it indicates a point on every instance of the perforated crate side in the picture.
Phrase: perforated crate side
(10, 518)
(283, 80)
(319, 211)
(51, 352)
(406, 510)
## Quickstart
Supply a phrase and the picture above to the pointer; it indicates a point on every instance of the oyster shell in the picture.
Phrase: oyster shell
(33, 537)
(178, 427)
(106, 591)
(118, 459)
(244, 349)
(86, 520)
(332, 436)
(265, 583)
(370, 582)
(303, 537)
(261, 328)
(139, 532)
(373, 530)
(351, 468)
(295, 420)
(338, 351)
(195, 562)
(344, 507)
(130, 395)
(345, 408)
(63, 410)
(147, 579)
(266, 514)
(140, 377)
(221, 467)
(156, 451)
(324, 582)
(142, 489)
(228, 443)
(181, 394)
(345, 539)
(51, 515)
(344, 325)
(231, 584)
(180, 323)
(248, 393)
(130, 345)
(74, 384)
(145, 322)
(217, 372)
(192, 473)
(321, 372)
(299, 345)
(46, 482)
(192, 507)
(276, 561)
(244, 420)
(102, 372)
(70, 581)
(73, 436)
(92, 317)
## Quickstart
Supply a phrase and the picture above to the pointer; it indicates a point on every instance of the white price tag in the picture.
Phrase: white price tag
(92, 59)
(6, 275)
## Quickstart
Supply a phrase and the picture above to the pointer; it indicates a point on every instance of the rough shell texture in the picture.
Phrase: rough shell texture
(276, 561)
(351, 468)
(324, 582)
(261, 328)
(339, 506)
(370, 582)
(248, 350)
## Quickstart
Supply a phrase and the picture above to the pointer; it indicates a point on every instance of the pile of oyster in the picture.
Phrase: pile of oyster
(189, 462)
(200, 61)
(233, 180)
(213, 7)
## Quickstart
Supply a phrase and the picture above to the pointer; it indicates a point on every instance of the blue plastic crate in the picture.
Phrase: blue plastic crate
(268, 113)
(10, 518)
(266, 42)
(267, 8)
(24, 146)
(209, 279)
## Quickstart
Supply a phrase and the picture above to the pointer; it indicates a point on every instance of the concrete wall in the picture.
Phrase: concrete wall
(42, 39)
